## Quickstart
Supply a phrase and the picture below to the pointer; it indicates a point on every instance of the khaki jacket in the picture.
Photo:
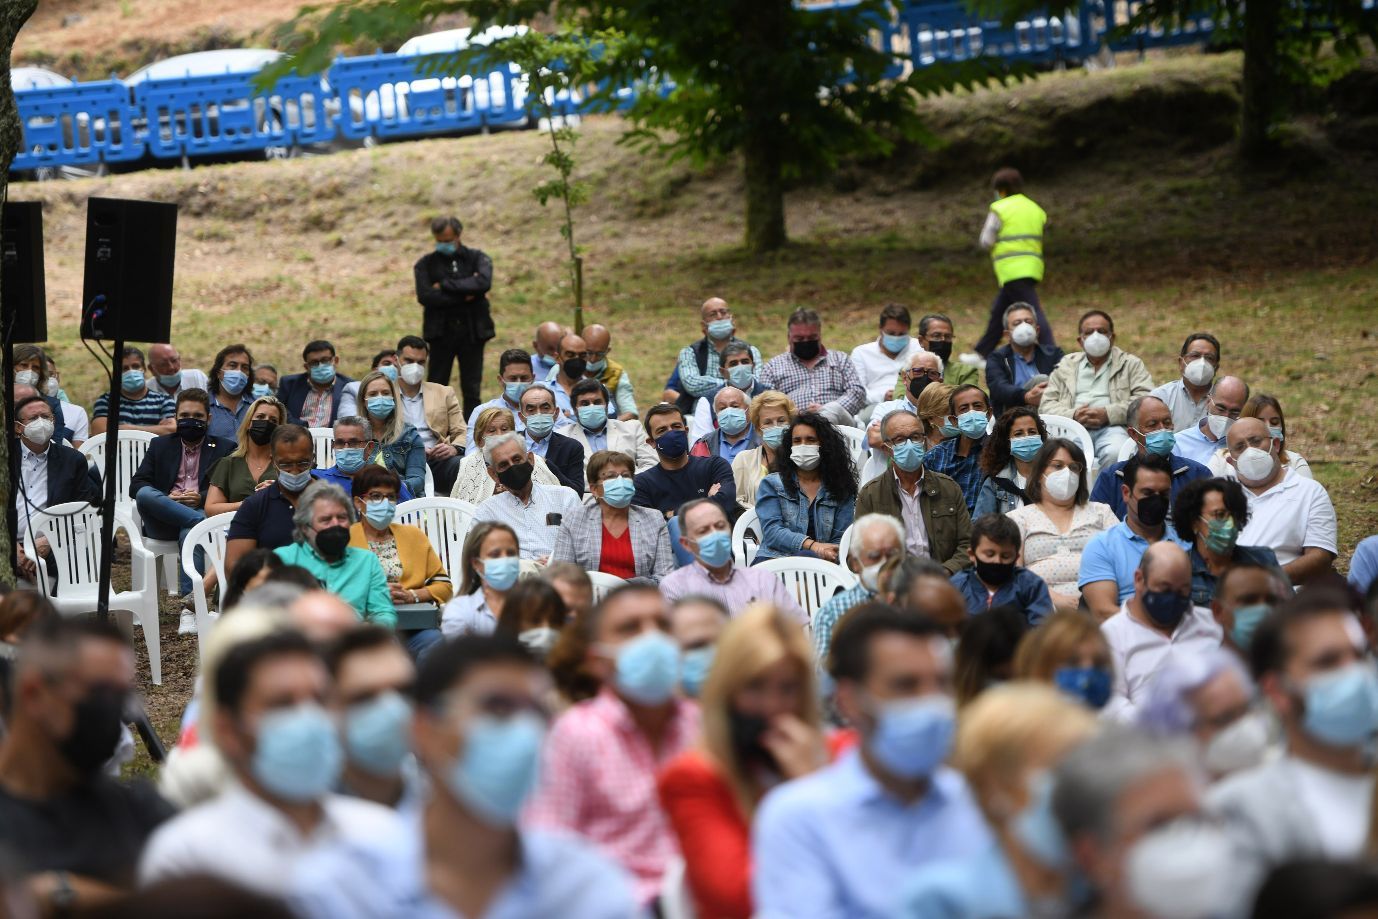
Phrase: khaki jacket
(942, 506)
(444, 413)
(1129, 379)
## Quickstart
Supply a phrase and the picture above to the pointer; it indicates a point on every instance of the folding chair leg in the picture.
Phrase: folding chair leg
(148, 619)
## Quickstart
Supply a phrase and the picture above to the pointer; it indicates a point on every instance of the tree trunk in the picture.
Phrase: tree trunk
(1262, 85)
(13, 15)
(762, 25)
(765, 193)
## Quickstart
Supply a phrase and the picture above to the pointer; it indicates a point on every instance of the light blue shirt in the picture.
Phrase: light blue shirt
(538, 447)
(969, 888)
(1114, 554)
(728, 450)
(384, 877)
(598, 440)
(1363, 567)
(1194, 445)
(836, 845)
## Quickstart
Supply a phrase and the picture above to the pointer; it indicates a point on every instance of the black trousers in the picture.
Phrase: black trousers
(446, 350)
(445, 472)
(1020, 290)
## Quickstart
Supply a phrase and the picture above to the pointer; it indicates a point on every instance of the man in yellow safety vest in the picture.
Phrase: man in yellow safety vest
(1014, 235)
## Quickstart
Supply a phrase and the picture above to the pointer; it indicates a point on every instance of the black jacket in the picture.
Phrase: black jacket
(565, 457)
(292, 390)
(459, 307)
(70, 477)
(1000, 374)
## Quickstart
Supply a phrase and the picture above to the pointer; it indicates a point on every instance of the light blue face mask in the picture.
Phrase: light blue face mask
(294, 482)
(1246, 622)
(732, 421)
(233, 381)
(499, 766)
(1342, 705)
(1026, 448)
(539, 426)
(380, 513)
(167, 380)
(513, 391)
(715, 548)
(132, 380)
(775, 436)
(1037, 829)
(381, 407)
(913, 736)
(742, 376)
(349, 459)
(719, 329)
(619, 491)
(297, 756)
(501, 573)
(973, 424)
(908, 455)
(1276, 433)
(322, 373)
(950, 431)
(262, 390)
(378, 733)
(894, 343)
(388, 371)
(595, 368)
(1160, 443)
(591, 417)
(447, 248)
(693, 669)
(648, 668)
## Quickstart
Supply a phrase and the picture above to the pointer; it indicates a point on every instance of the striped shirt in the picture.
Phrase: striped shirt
(708, 382)
(535, 523)
(153, 409)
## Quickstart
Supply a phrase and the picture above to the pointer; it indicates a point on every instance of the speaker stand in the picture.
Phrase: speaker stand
(112, 458)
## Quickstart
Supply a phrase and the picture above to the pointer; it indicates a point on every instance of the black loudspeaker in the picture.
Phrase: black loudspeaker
(130, 245)
(23, 298)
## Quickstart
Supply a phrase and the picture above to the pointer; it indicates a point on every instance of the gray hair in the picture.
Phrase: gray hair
(316, 492)
(688, 506)
(258, 367)
(865, 522)
(1091, 779)
(910, 571)
(273, 595)
(1131, 414)
(351, 421)
(913, 361)
(493, 443)
(1018, 306)
(745, 397)
(1168, 711)
(898, 411)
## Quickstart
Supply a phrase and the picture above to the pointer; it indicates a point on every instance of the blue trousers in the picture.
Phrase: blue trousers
(154, 505)
(421, 642)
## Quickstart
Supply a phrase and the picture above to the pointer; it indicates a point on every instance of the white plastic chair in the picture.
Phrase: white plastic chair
(675, 901)
(1127, 450)
(856, 441)
(1061, 426)
(812, 580)
(430, 482)
(323, 439)
(445, 522)
(875, 465)
(844, 545)
(73, 531)
(746, 537)
(208, 536)
(603, 583)
(133, 445)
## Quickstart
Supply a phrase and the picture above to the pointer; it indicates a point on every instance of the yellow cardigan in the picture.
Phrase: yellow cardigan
(421, 567)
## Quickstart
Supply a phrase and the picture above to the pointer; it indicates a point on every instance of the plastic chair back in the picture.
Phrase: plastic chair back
(445, 521)
(812, 581)
(746, 537)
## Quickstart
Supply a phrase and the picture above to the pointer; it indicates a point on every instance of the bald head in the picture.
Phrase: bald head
(597, 337)
(322, 616)
(937, 599)
(730, 397)
(1149, 414)
(1230, 393)
(711, 307)
(164, 359)
(23, 391)
(1164, 567)
(547, 341)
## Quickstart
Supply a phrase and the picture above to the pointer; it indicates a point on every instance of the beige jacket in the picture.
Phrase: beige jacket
(1129, 379)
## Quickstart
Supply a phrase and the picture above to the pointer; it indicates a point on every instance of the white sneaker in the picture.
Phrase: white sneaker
(972, 360)
(187, 624)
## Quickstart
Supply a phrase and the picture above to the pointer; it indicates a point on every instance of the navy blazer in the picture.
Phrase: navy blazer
(1000, 374)
(565, 457)
(292, 390)
(71, 478)
(164, 457)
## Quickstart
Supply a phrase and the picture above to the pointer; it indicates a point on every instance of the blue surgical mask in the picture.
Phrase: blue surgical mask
(732, 421)
(167, 380)
(349, 459)
(908, 455)
(499, 767)
(594, 368)
(322, 373)
(294, 482)
(539, 426)
(381, 407)
(591, 417)
(1276, 433)
(775, 436)
(950, 431)
(1246, 622)
(894, 343)
(742, 376)
(132, 380)
(1160, 443)
(913, 736)
(1026, 448)
(1037, 829)
(973, 424)
(1342, 705)
(262, 390)
(647, 668)
(715, 548)
(501, 573)
(513, 391)
(693, 669)
(377, 733)
(233, 381)
(1088, 684)
(619, 491)
(297, 756)
(380, 513)
(447, 248)
(719, 329)
(389, 371)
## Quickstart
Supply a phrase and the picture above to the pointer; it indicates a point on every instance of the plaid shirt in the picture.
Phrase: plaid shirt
(707, 383)
(598, 779)
(832, 379)
(828, 614)
(965, 470)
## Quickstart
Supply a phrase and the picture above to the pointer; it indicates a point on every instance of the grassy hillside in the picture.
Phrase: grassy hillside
(1150, 219)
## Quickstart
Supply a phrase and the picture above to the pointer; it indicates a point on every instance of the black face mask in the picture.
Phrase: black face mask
(96, 721)
(916, 388)
(574, 367)
(516, 477)
(261, 431)
(941, 348)
(191, 430)
(746, 731)
(332, 542)
(997, 573)
(1152, 511)
(806, 350)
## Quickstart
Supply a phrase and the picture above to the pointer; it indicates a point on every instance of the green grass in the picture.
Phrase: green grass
(1148, 221)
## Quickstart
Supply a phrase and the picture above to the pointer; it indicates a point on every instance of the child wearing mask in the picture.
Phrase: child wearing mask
(996, 578)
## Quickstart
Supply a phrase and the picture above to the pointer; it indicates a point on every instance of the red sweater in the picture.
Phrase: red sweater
(713, 836)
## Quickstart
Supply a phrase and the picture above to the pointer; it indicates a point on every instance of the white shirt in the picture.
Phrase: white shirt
(915, 533)
(1339, 804)
(878, 370)
(77, 421)
(1140, 652)
(243, 839)
(467, 615)
(886, 408)
(532, 522)
(1293, 515)
(191, 379)
(414, 409)
(33, 471)
(1185, 411)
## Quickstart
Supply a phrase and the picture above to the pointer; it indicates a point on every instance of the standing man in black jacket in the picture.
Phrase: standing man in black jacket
(452, 284)
(1018, 373)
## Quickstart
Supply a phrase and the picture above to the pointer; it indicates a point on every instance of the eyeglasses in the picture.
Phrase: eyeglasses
(379, 496)
(297, 466)
(1232, 415)
(350, 444)
(915, 438)
(933, 374)
(939, 336)
(320, 362)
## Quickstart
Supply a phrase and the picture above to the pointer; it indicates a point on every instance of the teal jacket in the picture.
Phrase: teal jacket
(357, 579)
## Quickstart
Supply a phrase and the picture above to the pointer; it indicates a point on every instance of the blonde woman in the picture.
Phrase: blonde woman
(933, 410)
(399, 446)
(761, 726)
(1069, 651)
(1008, 741)
(250, 467)
(474, 484)
(770, 414)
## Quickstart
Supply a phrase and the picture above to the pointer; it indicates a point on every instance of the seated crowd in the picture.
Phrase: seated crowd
(1076, 644)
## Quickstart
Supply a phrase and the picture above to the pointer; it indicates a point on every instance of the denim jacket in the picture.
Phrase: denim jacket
(992, 499)
(407, 457)
(784, 518)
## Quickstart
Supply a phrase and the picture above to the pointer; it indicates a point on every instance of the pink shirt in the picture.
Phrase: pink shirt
(315, 409)
(598, 780)
(189, 472)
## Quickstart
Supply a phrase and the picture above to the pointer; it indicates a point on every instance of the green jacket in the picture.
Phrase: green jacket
(942, 506)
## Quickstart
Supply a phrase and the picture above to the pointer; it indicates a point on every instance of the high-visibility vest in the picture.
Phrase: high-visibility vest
(1018, 250)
